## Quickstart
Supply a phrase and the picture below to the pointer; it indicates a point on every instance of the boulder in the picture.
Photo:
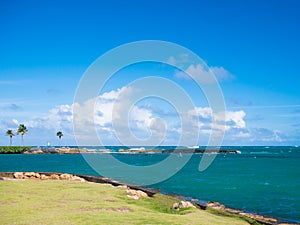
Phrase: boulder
(175, 205)
(38, 151)
(30, 175)
(136, 194)
(186, 204)
(65, 176)
(44, 177)
(76, 178)
(234, 211)
(182, 205)
(216, 205)
(54, 177)
(18, 175)
(141, 194)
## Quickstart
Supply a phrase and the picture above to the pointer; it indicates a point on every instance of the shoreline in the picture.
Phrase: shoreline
(74, 150)
(203, 205)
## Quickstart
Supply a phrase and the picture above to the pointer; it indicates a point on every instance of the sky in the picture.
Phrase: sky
(252, 48)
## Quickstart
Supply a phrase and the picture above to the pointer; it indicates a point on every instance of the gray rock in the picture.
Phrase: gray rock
(182, 205)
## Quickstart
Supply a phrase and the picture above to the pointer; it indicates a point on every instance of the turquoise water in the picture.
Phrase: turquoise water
(265, 180)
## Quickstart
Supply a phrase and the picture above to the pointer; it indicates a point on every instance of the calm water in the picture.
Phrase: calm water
(265, 180)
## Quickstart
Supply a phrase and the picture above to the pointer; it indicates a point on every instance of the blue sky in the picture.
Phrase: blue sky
(46, 46)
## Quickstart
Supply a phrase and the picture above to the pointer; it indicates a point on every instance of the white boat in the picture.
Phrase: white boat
(137, 149)
(195, 146)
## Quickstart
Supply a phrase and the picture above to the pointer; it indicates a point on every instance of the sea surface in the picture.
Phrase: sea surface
(263, 180)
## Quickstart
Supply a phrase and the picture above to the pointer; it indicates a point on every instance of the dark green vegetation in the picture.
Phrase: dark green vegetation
(13, 149)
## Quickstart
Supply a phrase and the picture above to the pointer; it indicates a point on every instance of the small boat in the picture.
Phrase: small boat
(195, 146)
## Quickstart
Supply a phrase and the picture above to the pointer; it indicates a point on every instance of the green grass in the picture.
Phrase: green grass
(71, 202)
(13, 149)
(222, 213)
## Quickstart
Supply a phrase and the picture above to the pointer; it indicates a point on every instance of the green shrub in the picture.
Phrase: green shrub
(13, 149)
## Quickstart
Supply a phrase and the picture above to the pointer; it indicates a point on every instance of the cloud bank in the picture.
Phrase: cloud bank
(142, 123)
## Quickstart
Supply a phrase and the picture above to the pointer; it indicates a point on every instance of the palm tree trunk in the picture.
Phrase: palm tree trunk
(22, 140)
(10, 141)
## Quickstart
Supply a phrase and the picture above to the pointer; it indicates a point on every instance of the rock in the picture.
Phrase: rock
(122, 187)
(30, 175)
(44, 177)
(137, 193)
(183, 205)
(216, 205)
(259, 218)
(65, 176)
(76, 178)
(37, 175)
(234, 211)
(262, 218)
(133, 197)
(175, 205)
(6, 178)
(272, 220)
(54, 177)
(186, 204)
(38, 151)
(18, 175)
(141, 194)
(73, 151)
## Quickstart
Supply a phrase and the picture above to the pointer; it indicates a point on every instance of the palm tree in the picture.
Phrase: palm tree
(10, 134)
(59, 134)
(22, 130)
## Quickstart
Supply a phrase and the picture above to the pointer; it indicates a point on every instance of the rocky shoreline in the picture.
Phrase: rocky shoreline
(136, 192)
(67, 150)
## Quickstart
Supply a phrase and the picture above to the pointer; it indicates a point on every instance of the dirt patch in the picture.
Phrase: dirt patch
(121, 209)
(110, 200)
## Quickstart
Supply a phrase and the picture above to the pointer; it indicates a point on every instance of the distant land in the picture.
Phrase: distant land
(75, 150)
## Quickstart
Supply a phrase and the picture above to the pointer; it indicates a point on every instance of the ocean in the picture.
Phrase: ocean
(263, 180)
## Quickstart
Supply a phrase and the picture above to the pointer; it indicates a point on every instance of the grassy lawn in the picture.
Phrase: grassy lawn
(72, 202)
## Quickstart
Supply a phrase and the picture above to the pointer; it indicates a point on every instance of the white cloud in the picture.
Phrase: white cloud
(14, 121)
(201, 72)
(196, 72)
(143, 117)
(112, 95)
(266, 135)
(114, 117)
(136, 124)
(203, 112)
(205, 75)
(180, 61)
(233, 119)
(221, 73)
(11, 124)
(58, 117)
